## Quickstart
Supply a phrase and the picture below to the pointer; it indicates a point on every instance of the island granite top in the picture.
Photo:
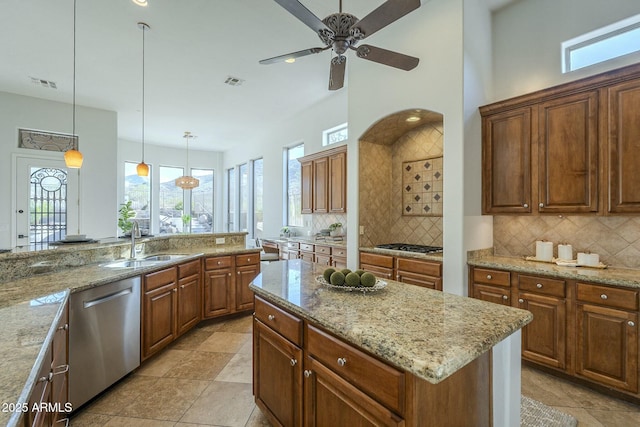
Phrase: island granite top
(428, 333)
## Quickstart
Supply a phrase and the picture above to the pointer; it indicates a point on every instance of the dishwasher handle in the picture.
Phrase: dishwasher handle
(89, 304)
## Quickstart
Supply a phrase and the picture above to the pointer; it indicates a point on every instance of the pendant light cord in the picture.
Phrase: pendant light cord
(143, 31)
(73, 125)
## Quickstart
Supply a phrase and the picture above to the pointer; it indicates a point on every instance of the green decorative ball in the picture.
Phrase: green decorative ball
(359, 272)
(368, 280)
(352, 279)
(345, 271)
(327, 274)
(337, 279)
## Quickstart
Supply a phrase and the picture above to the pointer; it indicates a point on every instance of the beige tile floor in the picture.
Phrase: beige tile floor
(204, 379)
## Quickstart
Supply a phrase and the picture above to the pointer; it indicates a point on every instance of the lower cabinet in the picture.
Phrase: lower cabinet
(226, 283)
(427, 274)
(189, 296)
(247, 268)
(377, 264)
(490, 285)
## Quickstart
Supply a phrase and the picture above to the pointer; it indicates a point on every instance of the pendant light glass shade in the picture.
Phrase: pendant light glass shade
(187, 182)
(73, 158)
(143, 169)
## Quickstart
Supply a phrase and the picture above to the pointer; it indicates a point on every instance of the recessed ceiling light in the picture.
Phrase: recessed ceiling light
(290, 60)
(413, 119)
(142, 3)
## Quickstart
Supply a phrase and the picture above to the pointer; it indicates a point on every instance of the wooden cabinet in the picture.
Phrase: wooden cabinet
(339, 257)
(324, 181)
(226, 283)
(607, 335)
(377, 264)
(189, 296)
(490, 285)
(544, 339)
(427, 274)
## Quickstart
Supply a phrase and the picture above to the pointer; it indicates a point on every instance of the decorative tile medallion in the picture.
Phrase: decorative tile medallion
(422, 187)
(37, 140)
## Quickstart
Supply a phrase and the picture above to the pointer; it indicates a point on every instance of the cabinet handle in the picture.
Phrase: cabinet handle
(631, 323)
(342, 361)
(526, 205)
(520, 300)
(46, 378)
(505, 297)
(307, 373)
(539, 285)
(65, 421)
(64, 327)
(62, 369)
(541, 205)
(489, 277)
(271, 317)
(293, 362)
(603, 296)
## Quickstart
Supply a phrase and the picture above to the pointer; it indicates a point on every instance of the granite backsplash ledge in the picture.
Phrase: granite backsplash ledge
(17, 265)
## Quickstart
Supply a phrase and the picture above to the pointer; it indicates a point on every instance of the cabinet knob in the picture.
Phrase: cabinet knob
(219, 262)
(175, 289)
(526, 205)
(541, 205)
(293, 362)
(520, 300)
(64, 327)
(238, 272)
(489, 277)
(603, 296)
(539, 285)
(342, 361)
(248, 259)
(505, 297)
(631, 323)
(271, 317)
(229, 274)
(307, 373)
(181, 286)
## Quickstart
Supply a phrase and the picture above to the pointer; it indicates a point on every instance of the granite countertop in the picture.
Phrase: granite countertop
(307, 239)
(428, 333)
(437, 256)
(625, 277)
(30, 306)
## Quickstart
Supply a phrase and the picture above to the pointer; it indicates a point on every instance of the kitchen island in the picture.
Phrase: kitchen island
(404, 355)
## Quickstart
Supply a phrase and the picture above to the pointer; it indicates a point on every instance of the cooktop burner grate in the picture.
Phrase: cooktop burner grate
(406, 247)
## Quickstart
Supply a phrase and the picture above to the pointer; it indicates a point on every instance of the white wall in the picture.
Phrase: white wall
(96, 130)
(527, 37)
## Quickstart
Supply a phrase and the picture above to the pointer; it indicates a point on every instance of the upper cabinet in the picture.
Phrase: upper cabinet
(324, 181)
(568, 149)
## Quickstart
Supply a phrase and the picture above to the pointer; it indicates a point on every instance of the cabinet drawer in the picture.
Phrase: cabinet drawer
(306, 247)
(213, 263)
(188, 269)
(611, 297)
(542, 285)
(293, 245)
(159, 279)
(324, 250)
(247, 259)
(429, 268)
(375, 378)
(279, 320)
(339, 252)
(491, 277)
(385, 261)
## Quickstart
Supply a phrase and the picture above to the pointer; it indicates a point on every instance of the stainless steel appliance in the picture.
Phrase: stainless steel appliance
(406, 247)
(104, 337)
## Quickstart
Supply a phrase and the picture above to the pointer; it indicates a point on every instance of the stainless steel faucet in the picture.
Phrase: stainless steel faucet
(135, 232)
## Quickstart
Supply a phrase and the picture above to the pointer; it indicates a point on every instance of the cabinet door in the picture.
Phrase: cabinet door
(338, 183)
(321, 185)
(218, 292)
(339, 262)
(60, 366)
(568, 154)
(506, 156)
(41, 393)
(189, 303)
(544, 339)
(419, 280)
(323, 260)
(159, 318)
(329, 400)
(277, 376)
(607, 346)
(492, 294)
(306, 189)
(623, 134)
(244, 295)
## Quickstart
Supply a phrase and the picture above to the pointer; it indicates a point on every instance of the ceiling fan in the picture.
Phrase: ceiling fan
(342, 31)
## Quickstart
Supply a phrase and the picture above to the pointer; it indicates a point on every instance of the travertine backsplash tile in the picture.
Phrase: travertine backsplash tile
(615, 239)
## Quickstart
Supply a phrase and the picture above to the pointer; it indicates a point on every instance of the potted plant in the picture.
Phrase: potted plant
(125, 214)
(336, 229)
(186, 222)
(285, 232)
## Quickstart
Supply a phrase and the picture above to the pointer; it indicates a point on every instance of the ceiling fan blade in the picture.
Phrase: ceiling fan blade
(298, 10)
(387, 57)
(336, 74)
(293, 55)
(385, 14)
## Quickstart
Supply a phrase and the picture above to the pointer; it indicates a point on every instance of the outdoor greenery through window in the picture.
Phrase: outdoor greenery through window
(171, 202)
(293, 184)
(258, 190)
(202, 202)
(137, 190)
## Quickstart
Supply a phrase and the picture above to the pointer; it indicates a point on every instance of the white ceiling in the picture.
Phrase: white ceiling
(192, 47)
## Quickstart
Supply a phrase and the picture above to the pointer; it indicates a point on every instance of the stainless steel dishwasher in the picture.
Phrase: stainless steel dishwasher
(104, 337)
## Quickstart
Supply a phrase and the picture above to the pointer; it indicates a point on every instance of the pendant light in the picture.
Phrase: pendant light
(187, 182)
(143, 168)
(73, 158)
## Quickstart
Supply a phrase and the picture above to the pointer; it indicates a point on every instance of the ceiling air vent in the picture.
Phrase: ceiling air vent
(233, 81)
(44, 83)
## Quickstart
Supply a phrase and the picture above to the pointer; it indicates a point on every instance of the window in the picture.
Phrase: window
(293, 185)
(258, 213)
(615, 40)
(243, 172)
(336, 134)
(171, 201)
(231, 199)
(137, 189)
(202, 202)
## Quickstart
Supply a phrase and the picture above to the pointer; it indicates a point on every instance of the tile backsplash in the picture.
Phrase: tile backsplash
(616, 238)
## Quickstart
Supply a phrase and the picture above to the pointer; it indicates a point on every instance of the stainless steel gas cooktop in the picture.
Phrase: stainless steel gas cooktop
(406, 247)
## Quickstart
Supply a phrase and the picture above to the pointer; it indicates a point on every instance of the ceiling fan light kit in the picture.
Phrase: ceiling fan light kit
(342, 31)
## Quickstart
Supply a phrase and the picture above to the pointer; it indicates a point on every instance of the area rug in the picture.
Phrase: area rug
(534, 414)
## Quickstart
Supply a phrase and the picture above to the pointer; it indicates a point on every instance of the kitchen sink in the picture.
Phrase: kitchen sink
(164, 257)
(133, 263)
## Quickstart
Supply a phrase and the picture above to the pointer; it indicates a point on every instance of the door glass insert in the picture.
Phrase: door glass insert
(47, 207)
